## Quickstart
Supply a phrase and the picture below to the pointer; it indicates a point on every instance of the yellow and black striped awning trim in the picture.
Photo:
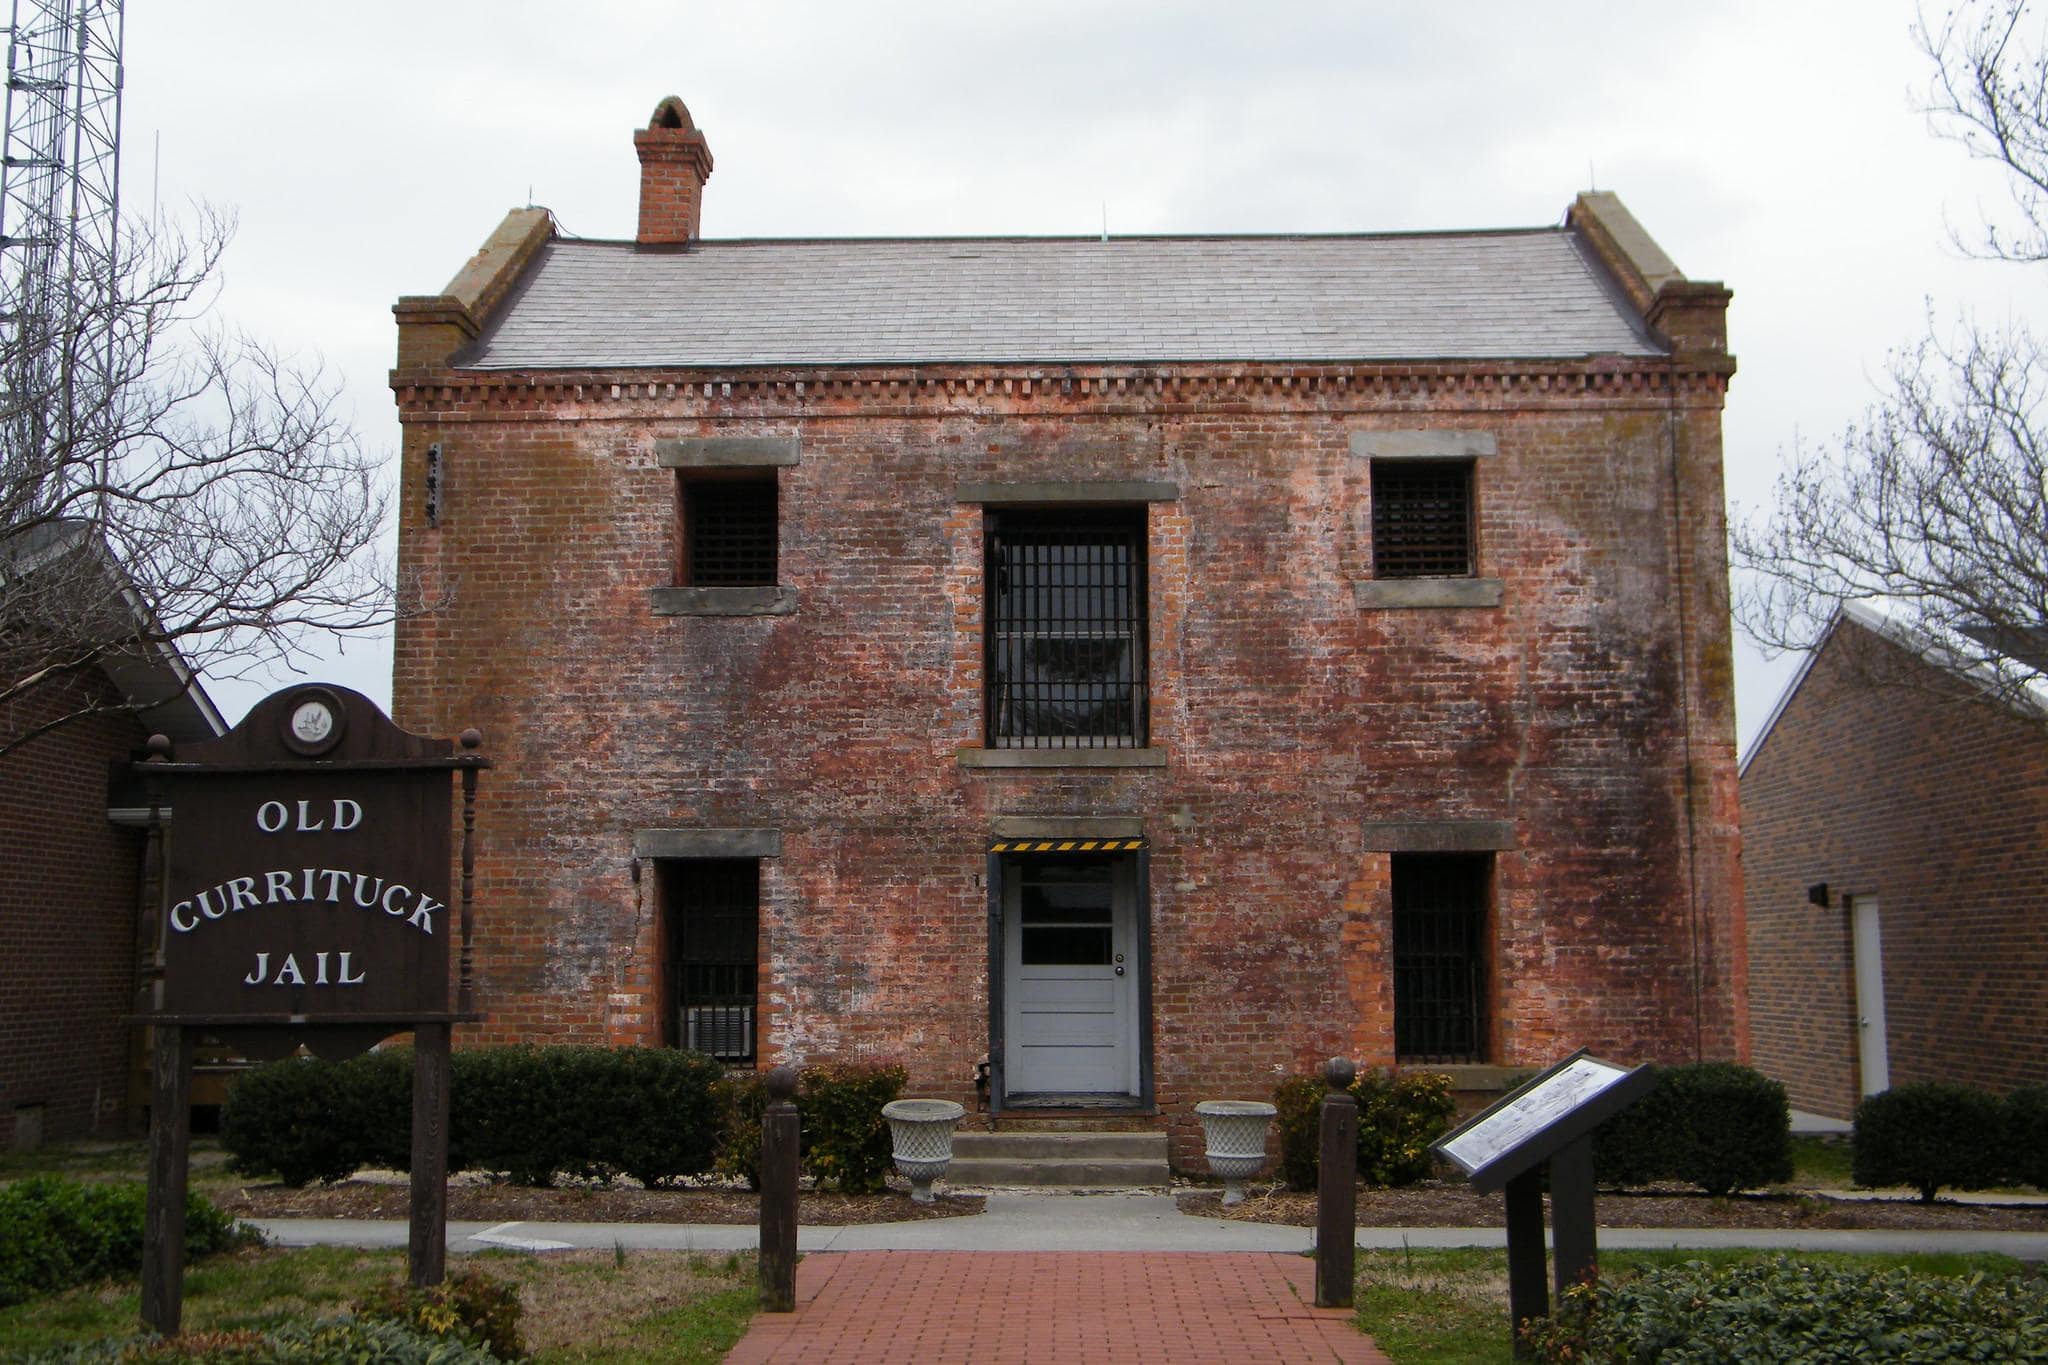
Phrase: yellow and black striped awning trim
(1065, 845)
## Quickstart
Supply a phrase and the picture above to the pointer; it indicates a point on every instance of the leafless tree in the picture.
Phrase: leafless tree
(1934, 508)
(168, 485)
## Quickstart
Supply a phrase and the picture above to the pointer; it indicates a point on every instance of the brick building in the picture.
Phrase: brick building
(70, 884)
(1151, 664)
(1896, 865)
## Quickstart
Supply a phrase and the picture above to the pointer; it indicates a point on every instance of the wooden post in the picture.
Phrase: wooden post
(1337, 1189)
(1574, 1251)
(427, 1244)
(170, 1128)
(1528, 1294)
(780, 1129)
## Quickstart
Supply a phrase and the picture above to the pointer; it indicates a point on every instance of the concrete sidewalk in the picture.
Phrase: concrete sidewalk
(1037, 1222)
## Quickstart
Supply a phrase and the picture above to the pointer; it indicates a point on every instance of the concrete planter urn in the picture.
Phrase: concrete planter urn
(1234, 1132)
(921, 1135)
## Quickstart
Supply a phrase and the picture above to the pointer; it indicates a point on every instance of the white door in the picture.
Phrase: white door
(1070, 976)
(1868, 941)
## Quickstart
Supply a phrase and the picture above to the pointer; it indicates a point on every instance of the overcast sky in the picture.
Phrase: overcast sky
(370, 147)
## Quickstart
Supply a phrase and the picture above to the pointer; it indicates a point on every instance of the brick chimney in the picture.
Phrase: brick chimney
(675, 162)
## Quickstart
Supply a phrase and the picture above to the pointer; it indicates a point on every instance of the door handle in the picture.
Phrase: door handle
(1119, 971)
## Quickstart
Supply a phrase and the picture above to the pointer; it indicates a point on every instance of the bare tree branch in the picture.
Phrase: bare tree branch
(167, 484)
(1934, 508)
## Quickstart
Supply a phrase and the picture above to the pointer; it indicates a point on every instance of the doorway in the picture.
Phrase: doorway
(1073, 980)
(1873, 1053)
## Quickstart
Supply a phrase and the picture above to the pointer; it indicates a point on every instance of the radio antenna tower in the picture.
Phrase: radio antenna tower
(60, 184)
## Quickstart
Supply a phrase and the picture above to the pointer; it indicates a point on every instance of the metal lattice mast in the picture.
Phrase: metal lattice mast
(59, 230)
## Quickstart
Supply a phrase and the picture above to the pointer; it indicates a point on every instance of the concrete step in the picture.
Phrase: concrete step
(1064, 1159)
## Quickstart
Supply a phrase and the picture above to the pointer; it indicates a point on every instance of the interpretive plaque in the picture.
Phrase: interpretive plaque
(1547, 1122)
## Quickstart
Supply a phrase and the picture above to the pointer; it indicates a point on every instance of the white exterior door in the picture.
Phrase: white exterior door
(1873, 1058)
(1070, 976)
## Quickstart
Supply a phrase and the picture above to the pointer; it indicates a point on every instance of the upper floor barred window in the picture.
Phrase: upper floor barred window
(729, 532)
(1066, 637)
(1422, 519)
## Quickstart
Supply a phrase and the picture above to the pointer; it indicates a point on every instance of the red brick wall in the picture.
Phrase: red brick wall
(68, 886)
(1291, 718)
(1937, 808)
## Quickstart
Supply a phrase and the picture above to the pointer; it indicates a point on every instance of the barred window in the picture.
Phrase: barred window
(1440, 904)
(714, 926)
(1065, 630)
(729, 532)
(1422, 518)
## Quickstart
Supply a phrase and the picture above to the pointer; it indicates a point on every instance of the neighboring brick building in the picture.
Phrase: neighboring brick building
(1896, 865)
(1153, 663)
(70, 883)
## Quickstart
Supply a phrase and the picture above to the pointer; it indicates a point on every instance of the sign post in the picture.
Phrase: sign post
(306, 903)
(1548, 1121)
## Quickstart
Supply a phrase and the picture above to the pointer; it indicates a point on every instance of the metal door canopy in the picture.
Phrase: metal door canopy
(1540, 1118)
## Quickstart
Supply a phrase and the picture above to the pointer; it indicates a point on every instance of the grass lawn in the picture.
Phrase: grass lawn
(1451, 1307)
(577, 1306)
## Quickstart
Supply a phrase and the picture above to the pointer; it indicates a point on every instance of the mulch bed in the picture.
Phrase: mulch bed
(491, 1203)
(1442, 1204)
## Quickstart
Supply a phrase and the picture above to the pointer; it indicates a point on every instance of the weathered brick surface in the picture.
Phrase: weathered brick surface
(1291, 718)
(68, 883)
(1939, 809)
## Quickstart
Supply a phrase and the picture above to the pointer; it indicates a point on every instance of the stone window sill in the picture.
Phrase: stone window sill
(763, 601)
(1373, 594)
(1062, 758)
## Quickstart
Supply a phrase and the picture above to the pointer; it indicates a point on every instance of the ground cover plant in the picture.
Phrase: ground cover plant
(56, 1232)
(1452, 1305)
(666, 1308)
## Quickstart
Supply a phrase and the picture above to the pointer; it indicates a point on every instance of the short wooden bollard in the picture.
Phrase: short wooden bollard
(1337, 1189)
(779, 1134)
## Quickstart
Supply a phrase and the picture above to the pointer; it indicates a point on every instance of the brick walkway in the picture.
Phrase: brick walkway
(995, 1307)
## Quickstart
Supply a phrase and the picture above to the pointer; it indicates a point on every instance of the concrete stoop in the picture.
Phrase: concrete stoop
(1067, 1160)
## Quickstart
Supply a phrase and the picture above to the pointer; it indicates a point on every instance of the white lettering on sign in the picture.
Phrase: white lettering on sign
(274, 817)
(308, 886)
(289, 973)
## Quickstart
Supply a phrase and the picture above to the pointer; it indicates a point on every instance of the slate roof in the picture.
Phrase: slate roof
(1533, 294)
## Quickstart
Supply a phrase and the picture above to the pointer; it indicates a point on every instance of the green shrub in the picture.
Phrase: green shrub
(469, 1306)
(1782, 1310)
(377, 1090)
(290, 1117)
(1298, 1105)
(329, 1341)
(1717, 1125)
(55, 1233)
(652, 1113)
(741, 1096)
(846, 1140)
(2026, 1135)
(1400, 1113)
(1928, 1135)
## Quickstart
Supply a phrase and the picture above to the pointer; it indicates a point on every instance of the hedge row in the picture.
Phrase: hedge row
(534, 1113)
(55, 1233)
(1399, 1114)
(1717, 1125)
(1932, 1135)
(1784, 1310)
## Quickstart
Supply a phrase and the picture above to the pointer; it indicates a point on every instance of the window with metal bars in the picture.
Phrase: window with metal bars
(729, 533)
(1440, 915)
(1422, 519)
(1065, 630)
(713, 910)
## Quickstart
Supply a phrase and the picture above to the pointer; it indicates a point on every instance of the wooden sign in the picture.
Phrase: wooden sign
(308, 868)
(303, 863)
